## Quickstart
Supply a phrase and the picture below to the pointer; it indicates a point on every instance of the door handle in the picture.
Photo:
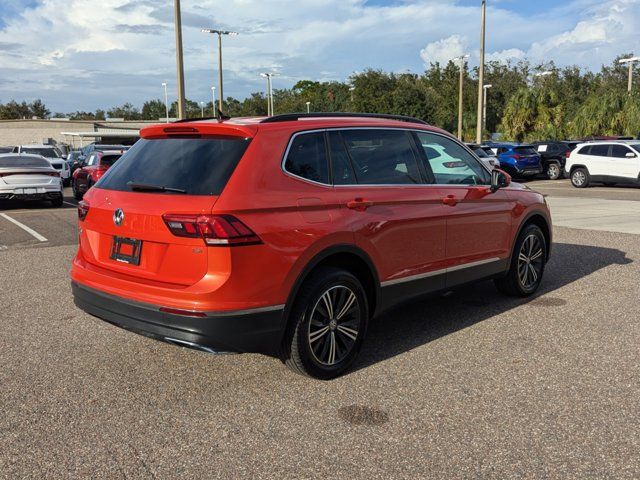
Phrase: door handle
(450, 200)
(359, 204)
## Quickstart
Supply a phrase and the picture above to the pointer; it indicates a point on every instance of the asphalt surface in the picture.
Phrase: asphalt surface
(467, 385)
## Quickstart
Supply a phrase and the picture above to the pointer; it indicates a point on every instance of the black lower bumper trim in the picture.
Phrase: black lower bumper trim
(259, 332)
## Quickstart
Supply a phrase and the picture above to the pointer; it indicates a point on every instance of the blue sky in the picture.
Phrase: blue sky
(88, 54)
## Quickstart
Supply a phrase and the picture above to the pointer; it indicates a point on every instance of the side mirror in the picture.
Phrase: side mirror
(630, 155)
(499, 179)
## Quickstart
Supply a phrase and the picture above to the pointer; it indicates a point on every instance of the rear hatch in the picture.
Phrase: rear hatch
(125, 229)
(527, 156)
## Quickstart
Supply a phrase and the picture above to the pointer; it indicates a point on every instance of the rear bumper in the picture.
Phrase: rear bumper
(41, 194)
(515, 171)
(256, 330)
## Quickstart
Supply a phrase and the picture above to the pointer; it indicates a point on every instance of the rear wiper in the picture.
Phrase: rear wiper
(144, 187)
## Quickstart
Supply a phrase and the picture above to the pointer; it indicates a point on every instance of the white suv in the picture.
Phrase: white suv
(608, 162)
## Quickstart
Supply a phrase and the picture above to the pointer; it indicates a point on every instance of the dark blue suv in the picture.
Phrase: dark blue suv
(518, 160)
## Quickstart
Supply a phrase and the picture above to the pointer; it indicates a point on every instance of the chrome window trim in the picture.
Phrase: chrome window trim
(332, 185)
(420, 276)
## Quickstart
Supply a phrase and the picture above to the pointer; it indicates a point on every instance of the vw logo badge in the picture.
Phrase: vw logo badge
(118, 217)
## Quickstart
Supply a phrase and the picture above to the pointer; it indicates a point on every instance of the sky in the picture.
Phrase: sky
(88, 54)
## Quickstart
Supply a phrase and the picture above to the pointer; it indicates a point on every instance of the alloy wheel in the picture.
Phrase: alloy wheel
(578, 177)
(530, 262)
(553, 171)
(333, 325)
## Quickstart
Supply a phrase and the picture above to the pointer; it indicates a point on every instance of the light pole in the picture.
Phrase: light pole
(460, 93)
(179, 61)
(630, 61)
(308, 107)
(268, 76)
(481, 73)
(202, 109)
(213, 100)
(484, 106)
(219, 33)
(166, 102)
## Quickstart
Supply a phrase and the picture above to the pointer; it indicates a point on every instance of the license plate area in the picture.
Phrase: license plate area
(126, 250)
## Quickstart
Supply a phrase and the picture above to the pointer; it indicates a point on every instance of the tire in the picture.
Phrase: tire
(527, 264)
(76, 194)
(57, 202)
(580, 178)
(308, 351)
(554, 172)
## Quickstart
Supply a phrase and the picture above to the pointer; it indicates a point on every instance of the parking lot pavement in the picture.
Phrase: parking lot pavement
(36, 224)
(470, 384)
(611, 209)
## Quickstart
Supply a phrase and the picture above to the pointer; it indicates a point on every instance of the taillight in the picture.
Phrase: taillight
(215, 230)
(83, 209)
(568, 154)
(516, 156)
(54, 174)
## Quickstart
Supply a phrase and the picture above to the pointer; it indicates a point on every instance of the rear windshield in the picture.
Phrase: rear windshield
(108, 160)
(10, 162)
(45, 152)
(197, 166)
(525, 150)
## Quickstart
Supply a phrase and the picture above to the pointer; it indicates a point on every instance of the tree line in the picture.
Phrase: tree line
(522, 105)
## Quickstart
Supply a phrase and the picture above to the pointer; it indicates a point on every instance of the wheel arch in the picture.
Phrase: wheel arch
(348, 257)
(539, 219)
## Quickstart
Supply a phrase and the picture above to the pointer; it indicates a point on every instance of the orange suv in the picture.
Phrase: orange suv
(286, 235)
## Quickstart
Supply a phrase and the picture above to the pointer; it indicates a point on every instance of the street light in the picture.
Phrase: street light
(630, 61)
(481, 73)
(268, 76)
(308, 107)
(166, 102)
(484, 106)
(213, 100)
(462, 58)
(219, 33)
(202, 109)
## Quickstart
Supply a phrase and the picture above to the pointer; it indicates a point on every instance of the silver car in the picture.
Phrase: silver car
(29, 177)
(53, 155)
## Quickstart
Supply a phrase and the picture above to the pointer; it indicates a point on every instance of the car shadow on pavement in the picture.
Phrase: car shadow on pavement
(9, 205)
(409, 326)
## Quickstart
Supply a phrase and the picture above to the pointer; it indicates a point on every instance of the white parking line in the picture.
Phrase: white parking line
(30, 231)
(69, 203)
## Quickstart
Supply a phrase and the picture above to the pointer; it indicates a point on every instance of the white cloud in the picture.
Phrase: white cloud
(84, 54)
(506, 55)
(444, 50)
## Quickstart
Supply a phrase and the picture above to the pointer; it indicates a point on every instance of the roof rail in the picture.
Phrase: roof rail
(287, 117)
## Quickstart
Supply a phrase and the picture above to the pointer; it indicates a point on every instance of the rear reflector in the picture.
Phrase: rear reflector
(186, 313)
(83, 209)
(215, 230)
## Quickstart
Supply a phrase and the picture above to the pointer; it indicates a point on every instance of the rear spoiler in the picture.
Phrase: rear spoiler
(198, 130)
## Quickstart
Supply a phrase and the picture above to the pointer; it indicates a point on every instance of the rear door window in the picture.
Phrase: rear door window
(450, 163)
(599, 150)
(382, 157)
(307, 157)
(341, 167)
(197, 166)
(585, 150)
